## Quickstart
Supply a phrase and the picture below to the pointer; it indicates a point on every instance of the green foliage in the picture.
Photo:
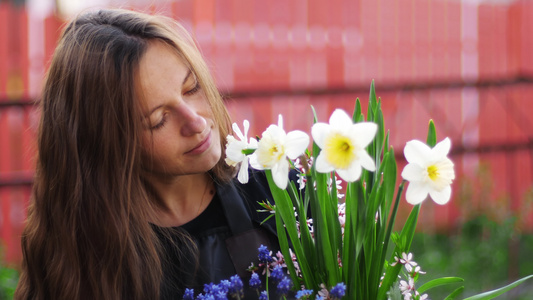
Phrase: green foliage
(8, 282)
(486, 253)
(370, 215)
(368, 247)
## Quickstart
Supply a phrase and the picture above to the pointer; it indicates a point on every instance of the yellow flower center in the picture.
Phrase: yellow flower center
(276, 152)
(433, 172)
(269, 152)
(339, 151)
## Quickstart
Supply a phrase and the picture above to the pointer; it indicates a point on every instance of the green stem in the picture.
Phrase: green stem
(392, 220)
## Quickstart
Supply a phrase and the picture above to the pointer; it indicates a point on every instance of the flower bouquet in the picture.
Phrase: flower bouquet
(346, 248)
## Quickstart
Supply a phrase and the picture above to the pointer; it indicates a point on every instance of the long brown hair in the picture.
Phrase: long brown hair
(88, 232)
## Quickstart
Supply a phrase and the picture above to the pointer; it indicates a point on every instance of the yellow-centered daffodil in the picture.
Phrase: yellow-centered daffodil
(273, 149)
(429, 171)
(343, 144)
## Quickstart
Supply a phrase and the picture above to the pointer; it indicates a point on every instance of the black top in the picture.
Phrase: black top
(227, 234)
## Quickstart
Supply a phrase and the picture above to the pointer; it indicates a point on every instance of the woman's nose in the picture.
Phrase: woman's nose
(192, 122)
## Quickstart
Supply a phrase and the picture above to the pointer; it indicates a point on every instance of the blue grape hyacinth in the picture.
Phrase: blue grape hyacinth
(338, 291)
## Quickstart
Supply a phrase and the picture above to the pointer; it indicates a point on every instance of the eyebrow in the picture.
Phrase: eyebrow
(189, 73)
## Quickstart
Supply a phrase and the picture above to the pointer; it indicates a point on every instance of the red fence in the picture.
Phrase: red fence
(464, 65)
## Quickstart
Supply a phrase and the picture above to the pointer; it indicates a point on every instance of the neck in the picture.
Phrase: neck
(181, 199)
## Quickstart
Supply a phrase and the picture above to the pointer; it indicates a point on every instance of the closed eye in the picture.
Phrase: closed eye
(161, 123)
(193, 91)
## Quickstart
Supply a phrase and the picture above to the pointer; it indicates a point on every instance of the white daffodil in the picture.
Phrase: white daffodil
(236, 150)
(343, 146)
(429, 171)
(274, 148)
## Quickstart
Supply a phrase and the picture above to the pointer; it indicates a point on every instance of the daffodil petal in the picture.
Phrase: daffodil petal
(254, 163)
(442, 149)
(416, 193)
(366, 161)
(351, 174)
(276, 133)
(412, 172)
(280, 173)
(246, 126)
(340, 119)
(234, 151)
(238, 131)
(441, 197)
(319, 132)
(252, 144)
(280, 121)
(364, 132)
(296, 143)
(417, 152)
(243, 171)
(321, 165)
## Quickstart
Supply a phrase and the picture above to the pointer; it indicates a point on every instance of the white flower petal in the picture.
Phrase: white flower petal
(366, 161)
(321, 165)
(280, 173)
(442, 149)
(364, 133)
(238, 131)
(417, 152)
(319, 132)
(254, 163)
(243, 171)
(280, 121)
(416, 193)
(340, 119)
(413, 172)
(441, 197)
(252, 144)
(352, 174)
(246, 126)
(296, 143)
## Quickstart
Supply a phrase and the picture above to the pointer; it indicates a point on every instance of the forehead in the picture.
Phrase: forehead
(161, 72)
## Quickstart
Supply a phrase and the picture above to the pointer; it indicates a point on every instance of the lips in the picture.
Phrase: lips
(202, 146)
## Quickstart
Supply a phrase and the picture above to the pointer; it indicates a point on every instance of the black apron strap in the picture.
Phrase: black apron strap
(237, 216)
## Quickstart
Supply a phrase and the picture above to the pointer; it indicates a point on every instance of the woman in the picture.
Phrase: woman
(132, 198)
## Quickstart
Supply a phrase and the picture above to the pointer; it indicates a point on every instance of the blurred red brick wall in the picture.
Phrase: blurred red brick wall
(456, 63)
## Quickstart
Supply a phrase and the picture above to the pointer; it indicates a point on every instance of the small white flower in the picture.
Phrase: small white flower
(235, 150)
(406, 260)
(342, 145)
(417, 270)
(323, 292)
(274, 148)
(407, 286)
(429, 171)
(301, 180)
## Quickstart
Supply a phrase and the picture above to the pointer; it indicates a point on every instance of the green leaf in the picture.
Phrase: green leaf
(285, 209)
(248, 151)
(391, 272)
(357, 111)
(284, 246)
(371, 102)
(316, 149)
(495, 293)
(432, 135)
(455, 293)
(408, 230)
(438, 282)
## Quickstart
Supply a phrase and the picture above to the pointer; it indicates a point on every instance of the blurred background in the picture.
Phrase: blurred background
(468, 65)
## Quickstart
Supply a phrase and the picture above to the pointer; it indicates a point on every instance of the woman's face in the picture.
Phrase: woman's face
(180, 133)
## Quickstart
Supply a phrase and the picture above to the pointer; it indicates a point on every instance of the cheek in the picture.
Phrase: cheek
(152, 149)
(147, 145)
